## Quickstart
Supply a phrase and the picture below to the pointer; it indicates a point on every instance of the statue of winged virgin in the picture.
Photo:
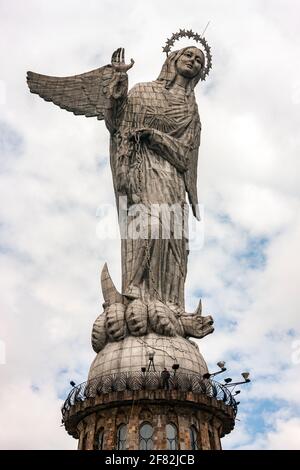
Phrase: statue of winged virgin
(154, 142)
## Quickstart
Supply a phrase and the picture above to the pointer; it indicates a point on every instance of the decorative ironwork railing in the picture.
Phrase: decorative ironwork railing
(148, 381)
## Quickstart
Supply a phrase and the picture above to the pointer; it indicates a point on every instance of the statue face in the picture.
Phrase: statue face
(190, 62)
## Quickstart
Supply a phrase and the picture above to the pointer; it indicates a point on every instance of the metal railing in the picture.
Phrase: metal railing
(148, 381)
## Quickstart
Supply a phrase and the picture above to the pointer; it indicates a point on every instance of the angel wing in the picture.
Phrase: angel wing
(85, 94)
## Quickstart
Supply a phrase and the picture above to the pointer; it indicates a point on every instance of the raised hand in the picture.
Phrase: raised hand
(118, 61)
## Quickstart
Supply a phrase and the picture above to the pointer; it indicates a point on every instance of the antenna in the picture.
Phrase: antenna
(205, 28)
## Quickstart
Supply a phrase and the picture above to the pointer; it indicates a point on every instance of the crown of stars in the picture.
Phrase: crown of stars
(183, 33)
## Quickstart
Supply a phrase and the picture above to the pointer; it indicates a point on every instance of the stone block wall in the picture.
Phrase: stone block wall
(159, 415)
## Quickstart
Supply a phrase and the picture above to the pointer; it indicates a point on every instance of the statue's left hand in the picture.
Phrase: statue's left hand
(118, 61)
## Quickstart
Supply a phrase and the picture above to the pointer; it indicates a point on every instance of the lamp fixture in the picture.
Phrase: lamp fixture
(246, 380)
(245, 376)
(221, 365)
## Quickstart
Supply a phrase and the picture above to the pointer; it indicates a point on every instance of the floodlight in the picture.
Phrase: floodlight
(228, 380)
(221, 364)
(245, 376)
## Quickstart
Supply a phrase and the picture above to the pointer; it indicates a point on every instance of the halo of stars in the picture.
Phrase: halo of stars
(182, 33)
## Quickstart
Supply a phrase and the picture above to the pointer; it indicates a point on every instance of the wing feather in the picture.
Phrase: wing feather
(84, 94)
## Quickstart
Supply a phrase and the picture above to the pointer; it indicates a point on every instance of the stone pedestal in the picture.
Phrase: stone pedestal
(208, 418)
(125, 391)
(132, 353)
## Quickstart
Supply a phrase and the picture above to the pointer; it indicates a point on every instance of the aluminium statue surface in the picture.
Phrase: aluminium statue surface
(154, 142)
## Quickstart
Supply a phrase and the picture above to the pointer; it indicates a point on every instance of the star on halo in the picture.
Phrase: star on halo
(190, 34)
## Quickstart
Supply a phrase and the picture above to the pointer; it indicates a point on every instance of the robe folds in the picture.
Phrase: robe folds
(154, 173)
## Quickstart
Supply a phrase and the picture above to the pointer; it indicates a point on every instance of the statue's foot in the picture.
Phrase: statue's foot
(137, 318)
(132, 292)
(162, 319)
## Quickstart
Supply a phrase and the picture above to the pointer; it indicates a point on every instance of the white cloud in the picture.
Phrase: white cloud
(285, 436)
(282, 433)
(34, 419)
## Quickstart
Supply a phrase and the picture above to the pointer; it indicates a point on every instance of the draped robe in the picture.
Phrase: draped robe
(156, 172)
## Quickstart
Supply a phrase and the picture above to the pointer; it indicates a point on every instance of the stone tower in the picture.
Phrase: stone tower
(150, 390)
(125, 403)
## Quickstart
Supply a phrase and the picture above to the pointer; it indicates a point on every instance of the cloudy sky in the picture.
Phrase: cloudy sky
(55, 179)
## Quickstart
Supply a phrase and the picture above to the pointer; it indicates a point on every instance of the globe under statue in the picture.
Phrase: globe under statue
(144, 331)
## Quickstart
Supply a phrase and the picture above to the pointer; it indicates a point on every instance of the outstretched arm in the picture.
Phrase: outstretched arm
(119, 84)
(117, 88)
(118, 61)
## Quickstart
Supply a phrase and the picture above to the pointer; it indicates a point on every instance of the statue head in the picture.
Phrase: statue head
(190, 62)
(187, 62)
